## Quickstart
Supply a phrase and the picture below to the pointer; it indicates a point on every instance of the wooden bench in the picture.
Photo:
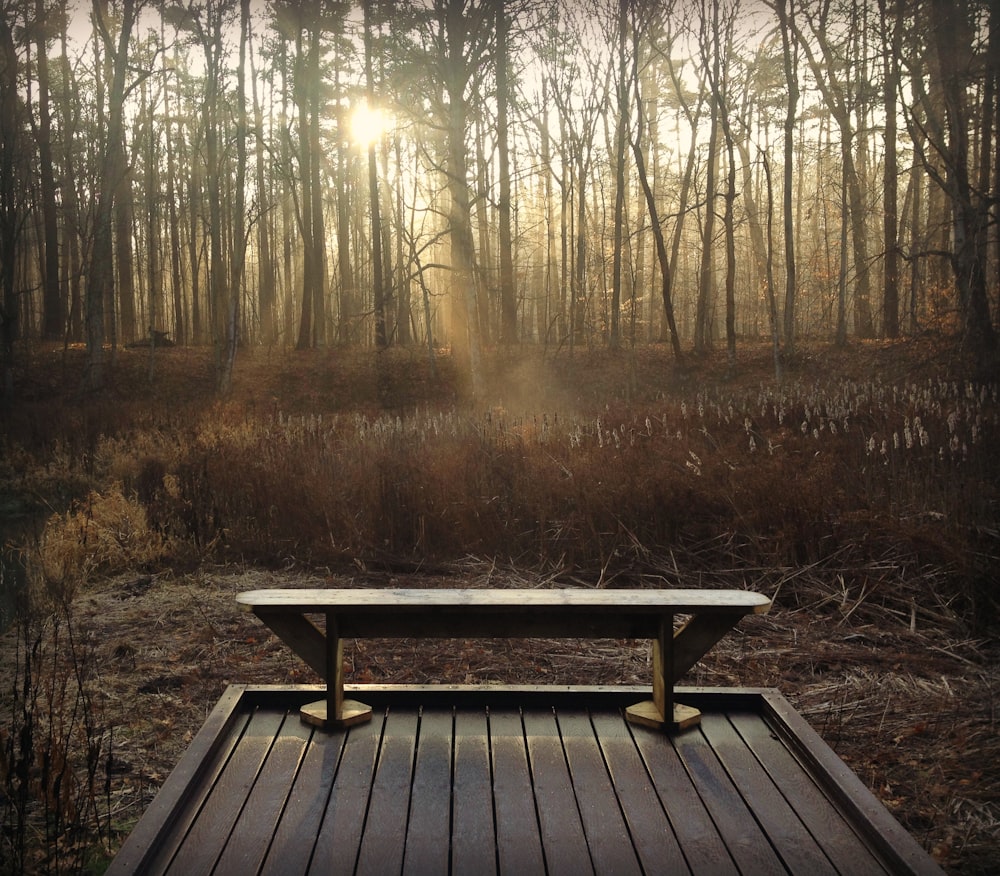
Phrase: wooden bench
(494, 613)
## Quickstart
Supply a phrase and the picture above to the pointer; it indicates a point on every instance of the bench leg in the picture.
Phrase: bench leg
(334, 712)
(662, 712)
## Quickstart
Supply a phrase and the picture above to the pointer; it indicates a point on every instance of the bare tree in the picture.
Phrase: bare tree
(838, 88)
(100, 286)
(891, 27)
(53, 307)
(789, 54)
(665, 262)
(378, 282)
(13, 206)
(508, 293)
(953, 43)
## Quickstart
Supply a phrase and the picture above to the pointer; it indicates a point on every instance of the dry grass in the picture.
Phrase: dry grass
(913, 712)
(861, 494)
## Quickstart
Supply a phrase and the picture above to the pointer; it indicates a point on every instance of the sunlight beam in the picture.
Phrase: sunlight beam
(367, 124)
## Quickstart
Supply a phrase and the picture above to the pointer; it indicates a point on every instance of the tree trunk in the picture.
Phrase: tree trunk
(970, 213)
(508, 294)
(265, 272)
(792, 81)
(53, 304)
(466, 333)
(124, 210)
(318, 223)
(378, 279)
(772, 304)
(706, 271)
(622, 122)
(654, 217)
(304, 206)
(71, 263)
(836, 98)
(12, 204)
(100, 287)
(238, 258)
(892, 40)
(348, 283)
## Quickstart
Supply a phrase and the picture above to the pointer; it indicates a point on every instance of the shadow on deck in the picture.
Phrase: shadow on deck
(514, 780)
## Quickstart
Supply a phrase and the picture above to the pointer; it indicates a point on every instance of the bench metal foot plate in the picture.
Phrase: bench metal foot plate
(646, 714)
(352, 712)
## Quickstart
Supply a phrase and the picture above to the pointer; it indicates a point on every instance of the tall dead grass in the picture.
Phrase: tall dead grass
(859, 476)
(858, 498)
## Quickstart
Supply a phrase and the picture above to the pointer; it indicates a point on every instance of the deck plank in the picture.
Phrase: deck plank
(563, 839)
(208, 835)
(295, 836)
(651, 831)
(159, 857)
(384, 838)
(421, 788)
(827, 825)
(248, 843)
(607, 834)
(798, 848)
(340, 831)
(429, 830)
(744, 839)
(473, 835)
(519, 844)
(703, 846)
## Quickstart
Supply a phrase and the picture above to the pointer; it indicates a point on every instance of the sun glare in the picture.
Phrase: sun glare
(367, 124)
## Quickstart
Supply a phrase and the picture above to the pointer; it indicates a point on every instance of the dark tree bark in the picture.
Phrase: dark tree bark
(13, 208)
(345, 259)
(892, 39)
(706, 271)
(508, 294)
(304, 205)
(378, 278)
(465, 297)
(72, 260)
(970, 211)
(318, 223)
(265, 272)
(100, 286)
(788, 55)
(622, 123)
(239, 238)
(654, 216)
(53, 303)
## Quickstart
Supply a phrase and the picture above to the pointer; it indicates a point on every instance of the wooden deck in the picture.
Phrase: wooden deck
(521, 781)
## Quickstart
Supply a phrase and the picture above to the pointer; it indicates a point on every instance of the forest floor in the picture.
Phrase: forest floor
(910, 707)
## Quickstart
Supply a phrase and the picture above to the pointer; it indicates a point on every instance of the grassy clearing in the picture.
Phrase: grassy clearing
(862, 490)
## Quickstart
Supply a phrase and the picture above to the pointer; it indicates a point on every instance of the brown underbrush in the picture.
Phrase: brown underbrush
(860, 493)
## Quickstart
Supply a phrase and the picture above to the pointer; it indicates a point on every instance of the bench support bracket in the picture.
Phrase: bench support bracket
(335, 713)
(661, 712)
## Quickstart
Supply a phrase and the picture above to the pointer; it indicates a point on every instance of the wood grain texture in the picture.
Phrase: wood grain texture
(561, 829)
(428, 833)
(519, 844)
(480, 781)
(473, 839)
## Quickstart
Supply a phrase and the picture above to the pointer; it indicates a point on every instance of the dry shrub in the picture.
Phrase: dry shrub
(55, 742)
(104, 534)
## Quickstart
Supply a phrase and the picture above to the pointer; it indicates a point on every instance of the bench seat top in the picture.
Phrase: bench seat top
(475, 600)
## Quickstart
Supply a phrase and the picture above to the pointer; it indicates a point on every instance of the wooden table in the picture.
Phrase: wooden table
(494, 613)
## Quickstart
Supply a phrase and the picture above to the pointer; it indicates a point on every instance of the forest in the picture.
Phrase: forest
(468, 174)
(508, 293)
